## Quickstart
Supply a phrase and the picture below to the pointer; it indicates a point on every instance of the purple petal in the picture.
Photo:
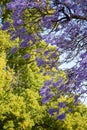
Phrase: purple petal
(27, 56)
(61, 116)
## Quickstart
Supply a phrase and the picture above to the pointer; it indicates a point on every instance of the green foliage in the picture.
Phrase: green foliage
(77, 119)
(20, 106)
(20, 102)
(5, 13)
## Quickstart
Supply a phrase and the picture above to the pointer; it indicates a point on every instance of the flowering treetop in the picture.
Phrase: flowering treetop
(61, 23)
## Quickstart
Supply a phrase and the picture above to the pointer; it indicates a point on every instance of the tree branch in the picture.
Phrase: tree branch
(78, 17)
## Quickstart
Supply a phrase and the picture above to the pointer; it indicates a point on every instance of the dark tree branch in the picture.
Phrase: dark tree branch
(70, 16)
(78, 17)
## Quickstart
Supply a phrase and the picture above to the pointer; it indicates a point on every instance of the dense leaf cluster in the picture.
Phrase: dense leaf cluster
(61, 23)
(20, 102)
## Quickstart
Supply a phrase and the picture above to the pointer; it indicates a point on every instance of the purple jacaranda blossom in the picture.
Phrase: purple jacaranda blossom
(11, 6)
(15, 4)
(47, 83)
(84, 60)
(18, 22)
(33, 5)
(54, 85)
(44, 74)
(76, 99)
(52, 111)
(24, 44)
(61, 116)
(46, 52)
(6, 26)
(61, 88)
(40, 61)
(27, 37)
(26, 56)
(24, 36)
(47, 98)
(38, 50)
(14, 35)
(57, 84)
(44, 91)
(53, 55)
(39, 4)
(13, 50)
(70, 110)
(22, 30)
(62, 104)
(15, 15)
(83, 55)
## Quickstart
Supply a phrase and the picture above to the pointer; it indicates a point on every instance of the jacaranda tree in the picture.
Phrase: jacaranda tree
(61, 23)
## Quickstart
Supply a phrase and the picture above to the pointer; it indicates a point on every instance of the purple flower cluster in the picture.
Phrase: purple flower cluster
(51, 111)
(13, 50)
(26, 56)
(61, 116)
(45, 90)
(62, 104)
(40, 62)
(17, 7)
(6, 26)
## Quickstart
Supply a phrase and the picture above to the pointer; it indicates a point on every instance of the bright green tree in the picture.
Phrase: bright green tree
(19, 84)
(20, 102)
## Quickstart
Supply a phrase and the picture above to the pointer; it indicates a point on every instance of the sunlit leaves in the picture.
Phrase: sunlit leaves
(29, 19)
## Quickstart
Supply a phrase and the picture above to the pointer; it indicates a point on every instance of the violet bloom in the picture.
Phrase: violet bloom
(22, 30)
(53, 55)
(39, 50)
(44, 91)
(14, 35)
(46, 53)
(54, 85)
(84, 60)
(61, 88)
(13, 50)
(39, 61)
(47, 83)
(46, 99)
(15, 4)
(61, 116)
(5, 26)
(24, 44)
(76, 99)
(26, 37)
(62, 104)
(26, 56)
(70, 110)
(57, 84)
(51, 111)
(17, 23)
(11, 6)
